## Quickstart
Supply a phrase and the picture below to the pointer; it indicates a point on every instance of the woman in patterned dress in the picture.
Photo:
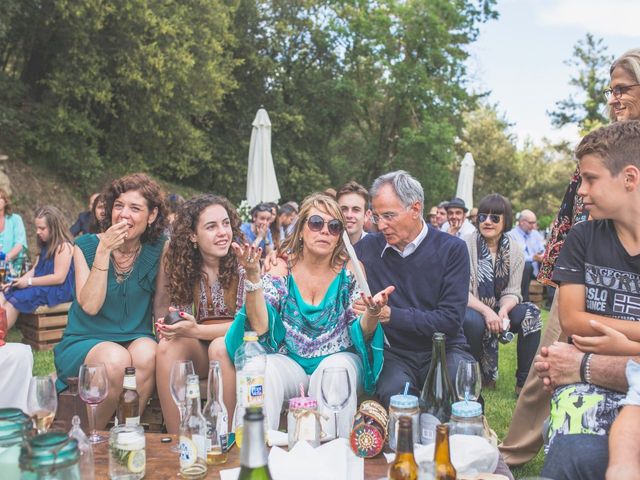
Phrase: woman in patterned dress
(204, 281)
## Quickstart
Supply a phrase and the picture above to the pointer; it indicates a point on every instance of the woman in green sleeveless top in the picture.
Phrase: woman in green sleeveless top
(116, 273)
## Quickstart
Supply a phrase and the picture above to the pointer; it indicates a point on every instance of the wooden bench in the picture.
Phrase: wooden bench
(43, 328)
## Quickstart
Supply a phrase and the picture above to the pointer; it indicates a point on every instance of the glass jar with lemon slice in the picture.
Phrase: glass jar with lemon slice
(127, 457)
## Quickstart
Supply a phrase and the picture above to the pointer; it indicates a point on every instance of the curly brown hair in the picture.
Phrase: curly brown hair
(184, 263)
(151, 192)
(293, 246)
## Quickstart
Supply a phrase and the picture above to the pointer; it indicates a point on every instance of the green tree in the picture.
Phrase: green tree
(586, 108)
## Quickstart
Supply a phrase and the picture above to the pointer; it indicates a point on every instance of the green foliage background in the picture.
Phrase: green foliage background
(354, 88)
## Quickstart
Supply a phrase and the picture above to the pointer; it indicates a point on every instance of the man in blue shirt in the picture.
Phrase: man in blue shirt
(532, 244)
(430, 270)
(257, 232)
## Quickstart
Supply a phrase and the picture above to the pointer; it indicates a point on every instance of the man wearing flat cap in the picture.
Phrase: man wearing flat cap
(457, 225)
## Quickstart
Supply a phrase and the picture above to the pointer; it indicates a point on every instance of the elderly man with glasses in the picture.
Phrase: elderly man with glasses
(430, 272)
(532, 243)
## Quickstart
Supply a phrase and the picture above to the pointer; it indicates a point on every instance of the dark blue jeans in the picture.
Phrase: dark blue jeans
(577, 457)
(474, 327)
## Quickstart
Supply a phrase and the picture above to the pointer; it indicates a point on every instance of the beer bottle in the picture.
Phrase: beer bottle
(128, 412)
(437, 393)
(253, 456)
(193, 432)
(215, 413)
(441, 457)
(404, 466)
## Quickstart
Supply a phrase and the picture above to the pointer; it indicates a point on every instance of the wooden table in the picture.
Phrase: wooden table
(162, 463)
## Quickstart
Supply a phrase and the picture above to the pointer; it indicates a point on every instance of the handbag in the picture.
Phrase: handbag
(229, 300)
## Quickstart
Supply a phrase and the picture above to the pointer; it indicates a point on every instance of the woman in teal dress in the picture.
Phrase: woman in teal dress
(13, 237)
(303, 313)
(116, 273)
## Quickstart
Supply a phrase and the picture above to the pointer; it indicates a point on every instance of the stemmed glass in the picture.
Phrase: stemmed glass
(468, 381)
(42, 402)
(335, 387)
(178, 382)
(93, 386)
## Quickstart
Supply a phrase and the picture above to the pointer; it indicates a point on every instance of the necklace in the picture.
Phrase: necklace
(124, 267)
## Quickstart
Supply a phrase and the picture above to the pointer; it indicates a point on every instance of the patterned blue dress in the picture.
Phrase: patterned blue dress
(26, 300)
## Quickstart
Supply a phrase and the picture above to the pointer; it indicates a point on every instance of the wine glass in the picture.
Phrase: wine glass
(335, 387)
(42, 402)
(468, 380)
(178, 382)
(93, 386)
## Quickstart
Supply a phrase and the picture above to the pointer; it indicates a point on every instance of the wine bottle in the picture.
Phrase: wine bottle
(193, 432)
(253, 456)
(441, 456)
(215, 413)
(128, 412)
(404, 467)
(437, 393)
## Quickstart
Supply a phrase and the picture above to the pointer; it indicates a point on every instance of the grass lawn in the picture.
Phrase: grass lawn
(499, 402)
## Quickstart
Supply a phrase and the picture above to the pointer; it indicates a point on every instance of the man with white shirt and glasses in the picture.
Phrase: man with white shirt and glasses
(430, 271)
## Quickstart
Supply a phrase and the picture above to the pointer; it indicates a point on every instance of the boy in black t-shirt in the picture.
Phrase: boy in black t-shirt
(599, 296)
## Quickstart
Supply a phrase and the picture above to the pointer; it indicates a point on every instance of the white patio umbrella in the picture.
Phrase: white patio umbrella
(465, 180)
(262, 185)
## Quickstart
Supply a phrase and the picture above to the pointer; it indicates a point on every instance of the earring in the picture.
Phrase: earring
(195, 246)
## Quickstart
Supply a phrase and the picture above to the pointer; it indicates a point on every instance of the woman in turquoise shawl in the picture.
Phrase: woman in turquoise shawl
(303, 313)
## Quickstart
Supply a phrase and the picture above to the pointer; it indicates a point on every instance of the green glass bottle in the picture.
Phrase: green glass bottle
(253, 456)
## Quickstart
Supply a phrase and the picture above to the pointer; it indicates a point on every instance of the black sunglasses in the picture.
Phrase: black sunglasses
(316, 224)
(494, 217)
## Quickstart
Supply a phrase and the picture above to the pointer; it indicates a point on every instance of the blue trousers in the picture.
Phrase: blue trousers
(577, 457)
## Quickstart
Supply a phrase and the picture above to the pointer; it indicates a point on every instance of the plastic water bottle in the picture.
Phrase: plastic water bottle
(86, 452)
(251, 363)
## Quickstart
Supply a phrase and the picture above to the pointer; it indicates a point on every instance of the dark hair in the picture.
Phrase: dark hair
(354, 187)
(496, 203)
(58, 231)
(617, 145)
(174, 202)
(95, 225)
(151, 192)
(261, 207)
(287, 209)
(184, 263)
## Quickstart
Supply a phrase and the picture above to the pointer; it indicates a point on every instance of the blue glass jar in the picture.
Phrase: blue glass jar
(50, 456)
(14, 426)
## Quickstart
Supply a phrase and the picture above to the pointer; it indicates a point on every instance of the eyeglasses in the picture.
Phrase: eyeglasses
(618, 90)
(316, 224)
(387, 216)
(493, 217)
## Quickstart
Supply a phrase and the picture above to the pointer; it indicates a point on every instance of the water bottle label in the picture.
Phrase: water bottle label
(188, 452)
(428, 425)
(253, 390)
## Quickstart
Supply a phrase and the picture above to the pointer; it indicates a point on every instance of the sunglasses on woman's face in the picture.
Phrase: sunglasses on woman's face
(316, 223)
(493, 217)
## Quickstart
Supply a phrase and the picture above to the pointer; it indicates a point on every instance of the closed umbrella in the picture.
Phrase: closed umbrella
(465, 180)
(262, 185)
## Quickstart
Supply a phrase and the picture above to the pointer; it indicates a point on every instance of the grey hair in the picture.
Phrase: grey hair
(629, 61)
(405, 186)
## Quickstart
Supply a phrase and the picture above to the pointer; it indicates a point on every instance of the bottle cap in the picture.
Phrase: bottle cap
(466, 409)
(302, 402)
(250, 336)
(404, 401)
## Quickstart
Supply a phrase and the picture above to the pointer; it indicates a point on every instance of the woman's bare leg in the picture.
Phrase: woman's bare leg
(12, 314)
(170, 351)
(143, 358)
(115, 358)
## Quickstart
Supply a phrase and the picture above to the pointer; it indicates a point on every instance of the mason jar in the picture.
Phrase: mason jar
(14, 426)
(127, 456)
(50, 456)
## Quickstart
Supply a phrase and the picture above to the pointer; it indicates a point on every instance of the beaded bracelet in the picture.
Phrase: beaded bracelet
(100, 269)
(585, 368)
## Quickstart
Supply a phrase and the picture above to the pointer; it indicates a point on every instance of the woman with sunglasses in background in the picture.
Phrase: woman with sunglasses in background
(497, 263)
(302, 312)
